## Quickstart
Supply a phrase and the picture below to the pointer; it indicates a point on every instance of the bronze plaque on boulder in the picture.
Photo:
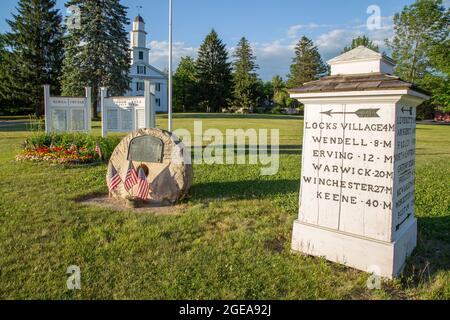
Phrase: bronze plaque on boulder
(146, 149)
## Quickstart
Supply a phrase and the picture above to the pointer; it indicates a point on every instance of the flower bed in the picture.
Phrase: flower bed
(58, 155)
(66, 149)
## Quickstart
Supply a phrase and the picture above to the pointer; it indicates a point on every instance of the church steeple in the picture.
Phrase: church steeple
(138, 34)
(138, 43)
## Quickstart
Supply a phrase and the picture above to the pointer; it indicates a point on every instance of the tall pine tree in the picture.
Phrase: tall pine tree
(362, 41)
(97, 53)
(245, 79)
(36, 47)
(307, 64)
(214, 73)
(5, 70)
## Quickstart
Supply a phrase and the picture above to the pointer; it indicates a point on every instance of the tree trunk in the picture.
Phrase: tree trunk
(95, 99)
(412, 76)
(94, 108)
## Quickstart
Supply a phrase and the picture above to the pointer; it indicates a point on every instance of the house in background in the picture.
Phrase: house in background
(141, 69)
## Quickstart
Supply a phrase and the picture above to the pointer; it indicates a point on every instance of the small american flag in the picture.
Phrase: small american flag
(132, 179)
(114, 180)
(143, 188)
(98, 150)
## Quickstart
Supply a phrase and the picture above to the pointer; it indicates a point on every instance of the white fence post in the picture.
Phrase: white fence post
(103, 94)
(150, 114)
(89, 108)
(46, 107)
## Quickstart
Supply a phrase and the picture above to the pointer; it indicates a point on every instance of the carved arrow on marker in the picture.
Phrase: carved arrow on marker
(361, 113)
(404, 220)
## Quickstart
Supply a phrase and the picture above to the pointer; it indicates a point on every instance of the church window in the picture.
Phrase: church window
(141, 55)
(141, 70)
(139, 86)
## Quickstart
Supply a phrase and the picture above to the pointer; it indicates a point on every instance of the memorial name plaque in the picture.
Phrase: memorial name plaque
(67, 114)
(358, 166)
(127, 114)
(146, 149)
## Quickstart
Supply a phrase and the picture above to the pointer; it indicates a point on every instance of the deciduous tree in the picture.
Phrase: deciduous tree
(418, 29)
(185, 86)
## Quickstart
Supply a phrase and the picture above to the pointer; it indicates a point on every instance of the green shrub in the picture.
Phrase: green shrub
(277, 110)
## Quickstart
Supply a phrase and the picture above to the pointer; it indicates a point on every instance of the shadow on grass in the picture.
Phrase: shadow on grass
(285, 149)
(243, 189)
(432, 254)
(233, 116)
(14, 127)
(419, 153)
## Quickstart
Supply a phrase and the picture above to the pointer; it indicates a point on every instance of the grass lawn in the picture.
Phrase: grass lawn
(232, 241)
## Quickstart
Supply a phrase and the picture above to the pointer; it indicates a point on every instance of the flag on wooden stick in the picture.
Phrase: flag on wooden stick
(132, 178)
(114, 179)
(143, 187)
(98, 150)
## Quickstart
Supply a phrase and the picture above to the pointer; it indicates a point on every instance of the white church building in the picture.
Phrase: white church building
(142, 70)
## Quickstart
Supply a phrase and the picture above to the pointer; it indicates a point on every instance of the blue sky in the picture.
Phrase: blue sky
(272, 26)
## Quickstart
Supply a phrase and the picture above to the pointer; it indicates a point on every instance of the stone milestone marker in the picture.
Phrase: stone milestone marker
(358, 166)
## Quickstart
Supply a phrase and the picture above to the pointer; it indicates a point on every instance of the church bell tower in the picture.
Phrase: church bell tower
(138, 43)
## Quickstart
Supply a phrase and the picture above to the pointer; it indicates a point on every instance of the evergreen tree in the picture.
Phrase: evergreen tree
(245, 79)
(418, 28)
(185, 86)
(307, 64)
(36, 47)
(362, 41)
(97, 53)
(214, 73)
(5, 94)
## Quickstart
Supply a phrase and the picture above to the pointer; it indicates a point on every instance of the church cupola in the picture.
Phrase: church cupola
(138, 34)
(138, 43)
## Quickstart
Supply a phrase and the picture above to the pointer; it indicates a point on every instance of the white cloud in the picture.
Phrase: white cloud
(332, 43)
(275, 57)
(295, 29)
(159, 53)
